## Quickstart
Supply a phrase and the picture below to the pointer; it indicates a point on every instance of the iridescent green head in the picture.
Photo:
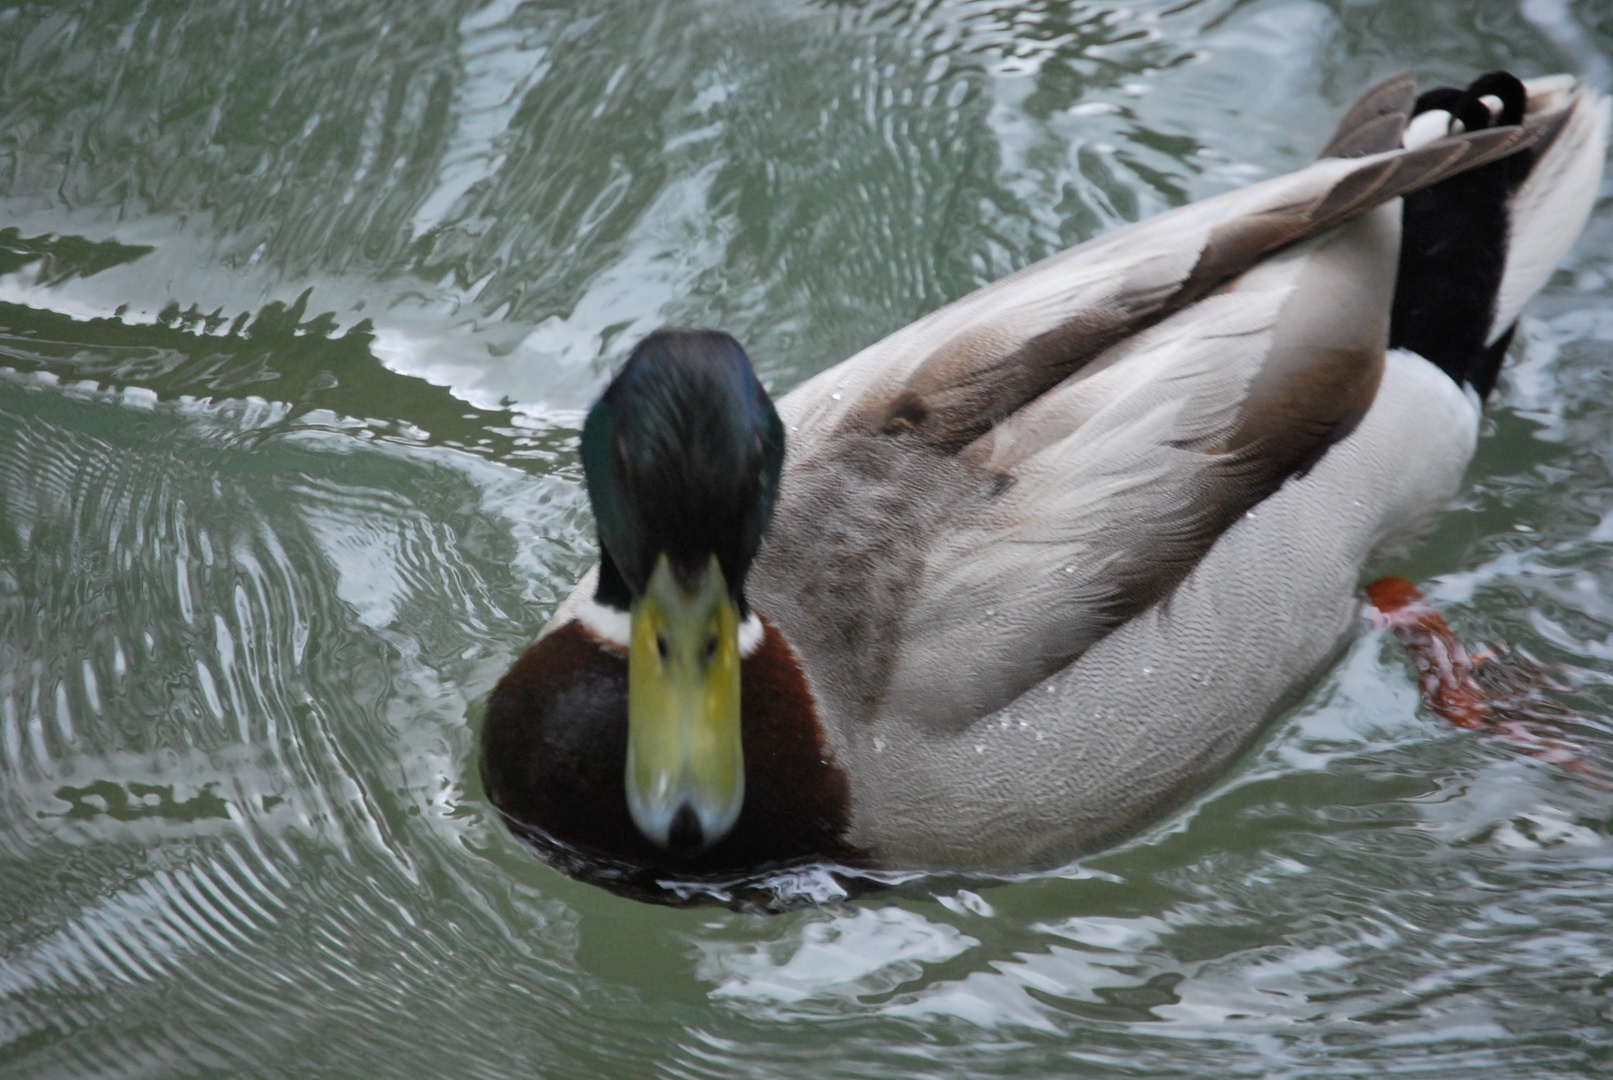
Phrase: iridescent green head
(682, 455)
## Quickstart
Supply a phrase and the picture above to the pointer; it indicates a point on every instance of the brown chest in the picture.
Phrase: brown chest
(554, 753)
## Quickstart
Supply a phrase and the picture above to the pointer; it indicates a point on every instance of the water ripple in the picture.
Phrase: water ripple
(190, 595)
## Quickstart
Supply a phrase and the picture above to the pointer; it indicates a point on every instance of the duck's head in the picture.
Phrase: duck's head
(682, 455)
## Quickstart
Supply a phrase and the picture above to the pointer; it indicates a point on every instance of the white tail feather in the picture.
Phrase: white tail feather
(1551, 207)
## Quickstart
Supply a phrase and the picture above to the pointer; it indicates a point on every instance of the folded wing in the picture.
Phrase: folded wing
(970, 503)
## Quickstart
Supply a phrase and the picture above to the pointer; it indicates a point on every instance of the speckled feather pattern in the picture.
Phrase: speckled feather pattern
(1165, 703)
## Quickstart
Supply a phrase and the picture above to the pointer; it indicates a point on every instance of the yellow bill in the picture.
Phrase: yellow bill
(685, 765)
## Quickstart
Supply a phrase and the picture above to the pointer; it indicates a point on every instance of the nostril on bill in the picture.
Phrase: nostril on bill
(685, 836)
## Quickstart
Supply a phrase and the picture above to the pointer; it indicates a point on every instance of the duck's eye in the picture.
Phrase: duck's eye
(711, 648)
(662, 647)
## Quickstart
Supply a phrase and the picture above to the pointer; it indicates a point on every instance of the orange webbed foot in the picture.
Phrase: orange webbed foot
(1444, 670)
(1506, 696)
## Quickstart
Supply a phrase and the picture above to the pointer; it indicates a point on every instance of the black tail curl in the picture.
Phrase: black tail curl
(1453, 247)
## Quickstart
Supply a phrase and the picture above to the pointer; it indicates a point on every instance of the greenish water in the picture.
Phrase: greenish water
(298, 306)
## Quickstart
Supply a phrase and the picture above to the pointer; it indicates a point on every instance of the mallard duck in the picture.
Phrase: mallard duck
(1022, 576)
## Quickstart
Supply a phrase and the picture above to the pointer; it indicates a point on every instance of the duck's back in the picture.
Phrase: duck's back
(1053, 555)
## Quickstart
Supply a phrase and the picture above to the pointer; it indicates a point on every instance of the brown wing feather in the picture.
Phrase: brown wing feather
(1117, 482)
(975, 377)
(1377, 120)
